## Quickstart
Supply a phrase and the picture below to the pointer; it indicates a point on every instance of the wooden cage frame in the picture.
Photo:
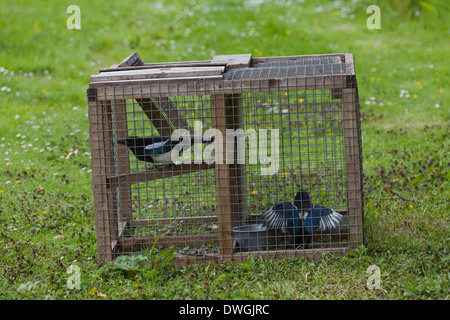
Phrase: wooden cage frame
(123, 81)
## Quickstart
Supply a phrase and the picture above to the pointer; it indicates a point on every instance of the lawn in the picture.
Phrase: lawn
(46, 203)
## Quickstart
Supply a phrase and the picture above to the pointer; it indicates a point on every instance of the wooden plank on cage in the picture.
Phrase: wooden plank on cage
(235, 121)
(179, 220)
(350, 67)
(181, 87)
(353, 165)
(173, 114)
(111, 195)
(155, 174)
(205, 63)
(137, 243)
(151, 110)
(349, 63)
(234, 60)
(162, 73)
(315, 254)
(131, 61)
(103, 208)
(223, 187)
(123, 163)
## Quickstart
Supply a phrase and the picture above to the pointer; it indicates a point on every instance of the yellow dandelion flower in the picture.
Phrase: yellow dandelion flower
(320, 29)
(286, 93)
(378, 78)
(1, 191)
(27, 168)
(301, 100)
(44, 91)
(288, 32)
(255, 191)
(17, 181)
(37, 28)
(373, 69)
(390, 74)
(441, 90)
(44, 212)
(411, 206)
(415, 96)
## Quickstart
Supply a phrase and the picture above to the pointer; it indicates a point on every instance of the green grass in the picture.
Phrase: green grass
(46, 205)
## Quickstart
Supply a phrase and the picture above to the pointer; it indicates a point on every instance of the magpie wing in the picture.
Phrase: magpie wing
(156, 147)
(274, 218)
(280, 216)
(330, 220)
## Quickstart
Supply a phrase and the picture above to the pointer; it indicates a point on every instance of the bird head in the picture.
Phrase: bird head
(132, 141)
(302, 200)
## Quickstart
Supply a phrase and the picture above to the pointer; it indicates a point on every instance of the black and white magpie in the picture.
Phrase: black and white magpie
(316, 216)
(156, 149)
(301, 219)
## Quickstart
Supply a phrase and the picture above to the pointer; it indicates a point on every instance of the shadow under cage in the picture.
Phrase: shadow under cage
(216, 158)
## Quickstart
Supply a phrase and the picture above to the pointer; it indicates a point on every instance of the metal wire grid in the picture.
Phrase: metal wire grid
(183, 207)
(312, 154)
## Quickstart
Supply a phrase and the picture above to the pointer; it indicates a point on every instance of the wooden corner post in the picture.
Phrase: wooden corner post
(353, 156)
(101, 157)
(231, 183)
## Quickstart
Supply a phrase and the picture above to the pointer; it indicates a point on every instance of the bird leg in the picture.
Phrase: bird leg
(286, 237)
(307, 241)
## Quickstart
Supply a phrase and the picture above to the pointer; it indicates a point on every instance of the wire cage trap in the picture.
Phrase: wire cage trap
(227, 142)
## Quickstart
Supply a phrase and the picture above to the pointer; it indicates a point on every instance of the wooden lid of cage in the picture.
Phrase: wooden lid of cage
(234, 73)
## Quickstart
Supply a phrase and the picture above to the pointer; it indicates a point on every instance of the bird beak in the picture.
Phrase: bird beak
(122, 141)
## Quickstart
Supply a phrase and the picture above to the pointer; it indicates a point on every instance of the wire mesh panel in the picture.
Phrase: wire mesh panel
(225, 158)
